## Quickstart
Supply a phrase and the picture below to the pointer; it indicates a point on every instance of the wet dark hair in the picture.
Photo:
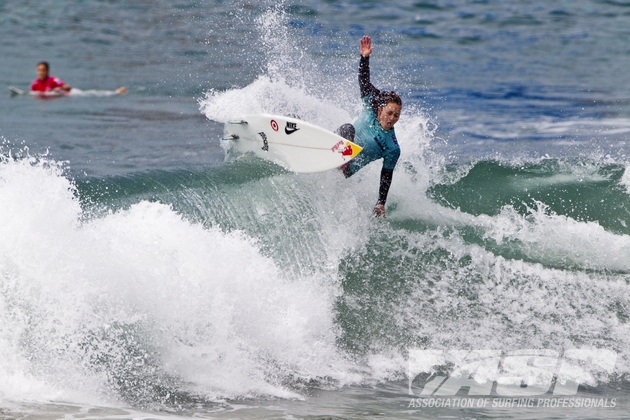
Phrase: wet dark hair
(44, 63)
(381, 99)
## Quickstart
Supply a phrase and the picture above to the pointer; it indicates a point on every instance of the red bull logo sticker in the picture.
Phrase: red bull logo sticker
(347, 149)
(337, 146)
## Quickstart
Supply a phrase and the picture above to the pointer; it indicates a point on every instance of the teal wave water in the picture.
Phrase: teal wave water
(160, 278)
(149, 271)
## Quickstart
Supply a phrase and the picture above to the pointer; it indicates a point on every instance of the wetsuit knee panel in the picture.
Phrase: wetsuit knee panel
(346, 131)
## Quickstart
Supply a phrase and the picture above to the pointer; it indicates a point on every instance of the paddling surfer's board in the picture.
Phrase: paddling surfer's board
(15, 91)
(74, 92)
(297, 145)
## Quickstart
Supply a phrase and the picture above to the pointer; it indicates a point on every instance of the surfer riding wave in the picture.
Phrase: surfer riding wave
(374, 129)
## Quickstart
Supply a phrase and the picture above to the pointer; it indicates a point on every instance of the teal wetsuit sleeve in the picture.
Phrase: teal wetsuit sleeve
(390, 159)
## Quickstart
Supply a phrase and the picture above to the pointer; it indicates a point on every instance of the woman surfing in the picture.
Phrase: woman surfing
(374, 129)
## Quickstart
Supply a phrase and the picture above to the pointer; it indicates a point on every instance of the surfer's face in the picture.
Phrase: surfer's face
(42, 72)
(389, 115)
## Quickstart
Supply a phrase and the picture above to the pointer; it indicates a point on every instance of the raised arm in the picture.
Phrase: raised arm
(365, 85)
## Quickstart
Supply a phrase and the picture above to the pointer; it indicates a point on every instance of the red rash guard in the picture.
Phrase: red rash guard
(46, 85)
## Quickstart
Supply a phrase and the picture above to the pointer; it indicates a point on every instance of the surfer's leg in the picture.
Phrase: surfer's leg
(345, 169)
(346, 131)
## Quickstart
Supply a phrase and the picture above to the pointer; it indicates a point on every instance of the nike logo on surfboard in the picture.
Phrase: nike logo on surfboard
(290, 128)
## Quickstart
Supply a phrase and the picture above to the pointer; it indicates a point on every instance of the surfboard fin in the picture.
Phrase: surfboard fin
(230, 137)
(238, 122)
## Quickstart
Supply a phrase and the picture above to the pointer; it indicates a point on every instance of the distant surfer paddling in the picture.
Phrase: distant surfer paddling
(47, 84)
(374, 129)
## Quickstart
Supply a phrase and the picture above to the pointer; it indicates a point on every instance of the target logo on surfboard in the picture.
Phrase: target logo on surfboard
(274, 125)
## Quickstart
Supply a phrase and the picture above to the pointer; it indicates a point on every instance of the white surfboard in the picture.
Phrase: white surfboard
(290, 142)
(74, 92)
(16, 91)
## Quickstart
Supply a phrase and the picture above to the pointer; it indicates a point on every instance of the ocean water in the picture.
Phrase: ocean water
(149, 272)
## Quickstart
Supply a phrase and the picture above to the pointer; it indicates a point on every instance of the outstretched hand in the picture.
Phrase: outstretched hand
(366, 46)
(379, 211)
